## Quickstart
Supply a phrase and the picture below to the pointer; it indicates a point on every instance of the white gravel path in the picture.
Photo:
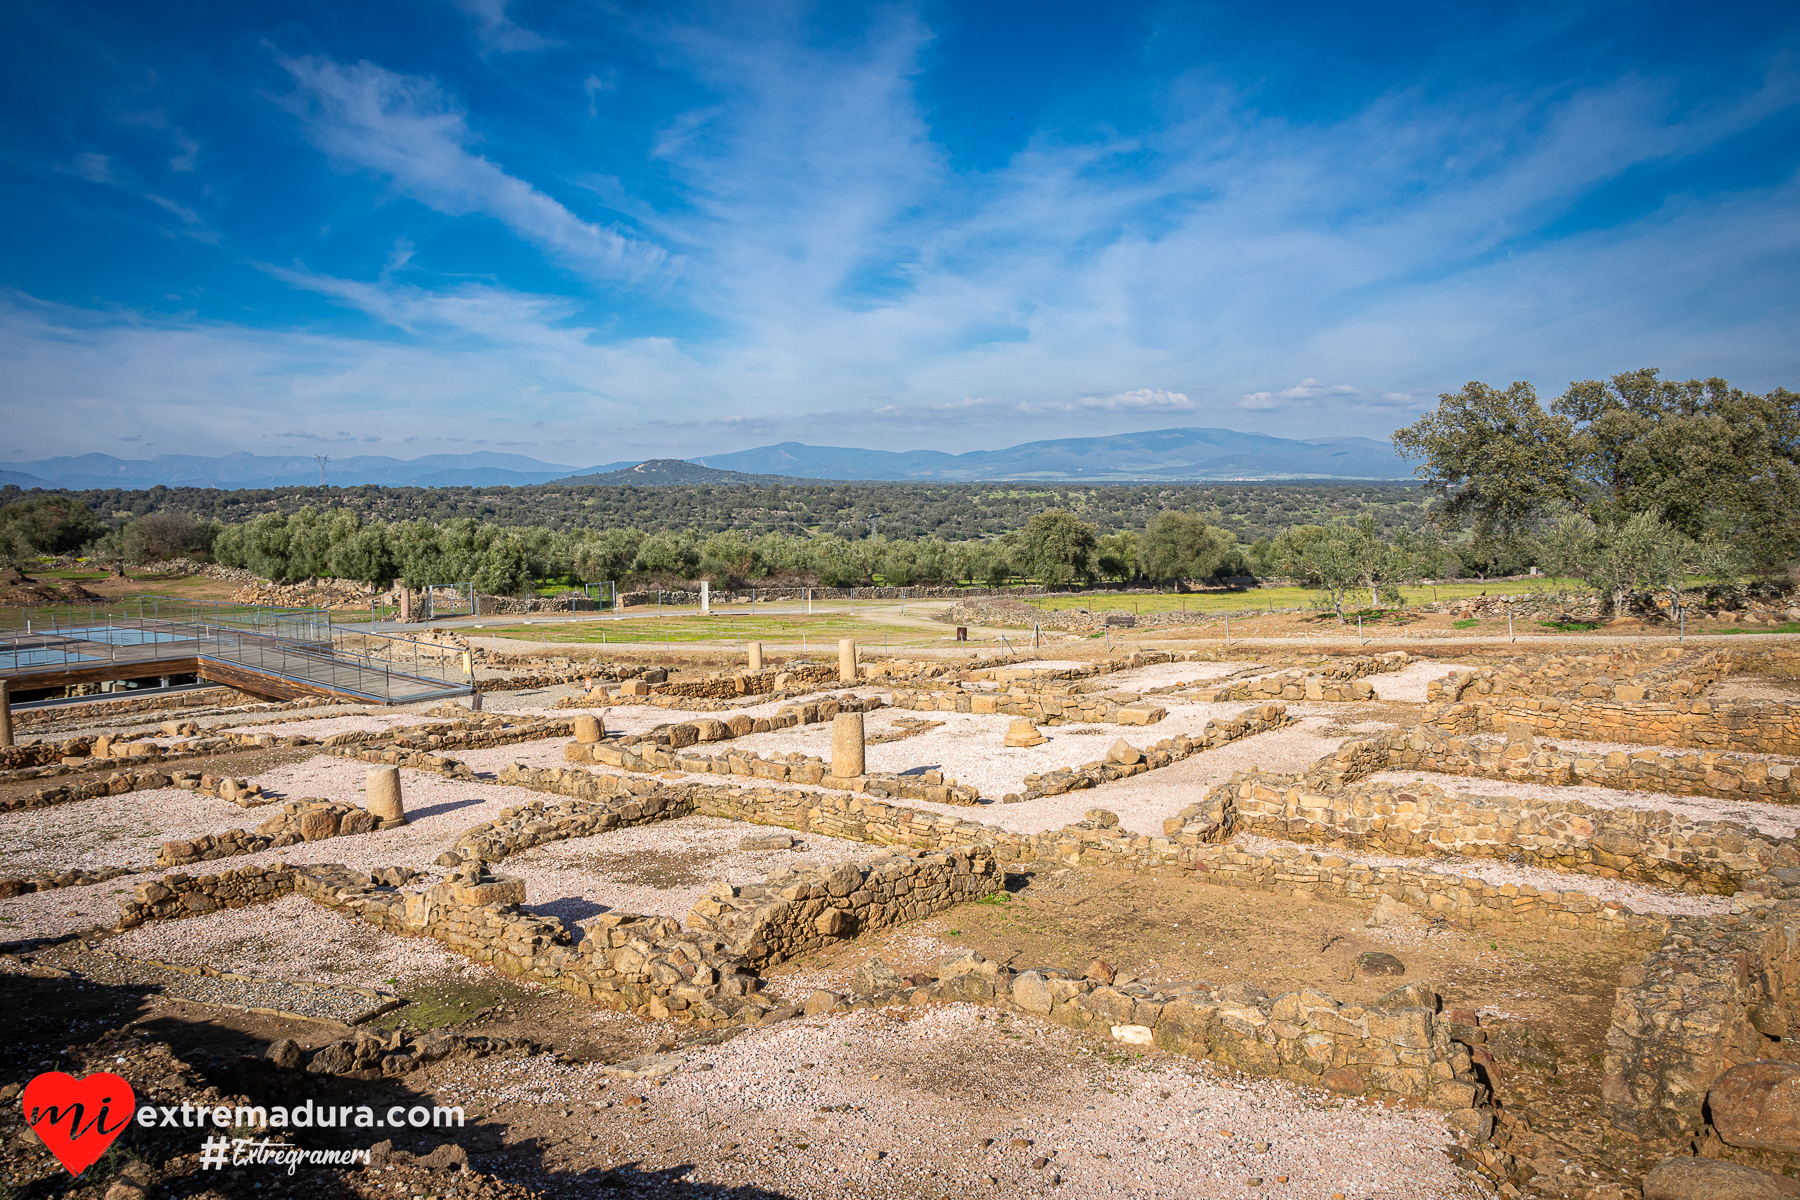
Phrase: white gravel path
(1777, 820)
(1139, 679)
(1407, 685)
(291, 938)
(929, 1087)
(1638, 897)
(661, 869)
(112, 831)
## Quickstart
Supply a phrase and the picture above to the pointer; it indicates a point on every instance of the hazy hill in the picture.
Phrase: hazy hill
(1172, 454)
(671, 472)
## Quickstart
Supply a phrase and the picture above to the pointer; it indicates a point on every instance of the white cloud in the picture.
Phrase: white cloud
(498, 31)
(408, 130)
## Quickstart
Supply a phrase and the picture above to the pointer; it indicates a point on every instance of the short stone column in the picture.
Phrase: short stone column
(847, 745)
(406, 604)
(847, 660)
(756, 656)
(588, 728)
(382, 796)
(6, 733)
(705, 598)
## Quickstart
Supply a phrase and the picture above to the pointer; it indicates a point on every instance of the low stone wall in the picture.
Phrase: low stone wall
(298, 821)
(1687, 724)
(1041, 707)
(799, 911)
(1341, 680)
(190, 896)
(102, 709)
(1715, 993)
(1524, 760)
(78, 877)
(1651, 847)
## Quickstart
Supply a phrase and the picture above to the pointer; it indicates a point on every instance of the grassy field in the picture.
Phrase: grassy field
(1265, 599)
(823, 629)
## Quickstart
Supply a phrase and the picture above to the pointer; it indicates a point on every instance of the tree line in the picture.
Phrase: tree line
(1630, 484)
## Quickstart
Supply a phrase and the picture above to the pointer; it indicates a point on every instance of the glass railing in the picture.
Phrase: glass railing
(299, 644)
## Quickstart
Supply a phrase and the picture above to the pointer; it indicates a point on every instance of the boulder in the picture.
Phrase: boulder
(875, 976)
(1756, 1105)
(333, 1059)
(820, 1001)
(1389, 911)
(285, 1053)
(1711, 1179)
(1124, 753)
(766, 841)
(1375, 963)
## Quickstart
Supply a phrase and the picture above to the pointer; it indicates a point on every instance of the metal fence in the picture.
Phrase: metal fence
(295, 644)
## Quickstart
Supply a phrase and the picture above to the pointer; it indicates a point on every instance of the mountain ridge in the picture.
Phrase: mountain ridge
(1193, 454)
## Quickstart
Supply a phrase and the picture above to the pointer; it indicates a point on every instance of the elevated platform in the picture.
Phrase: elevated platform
(284, 654)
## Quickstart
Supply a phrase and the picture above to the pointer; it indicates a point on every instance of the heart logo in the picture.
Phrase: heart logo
(78, 1118)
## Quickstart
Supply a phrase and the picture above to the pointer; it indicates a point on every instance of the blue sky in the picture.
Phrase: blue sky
(593, 232)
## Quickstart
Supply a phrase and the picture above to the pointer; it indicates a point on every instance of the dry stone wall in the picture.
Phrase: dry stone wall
(1762, 728)
(1715, 993)
(1649, 847)
(1524, 760)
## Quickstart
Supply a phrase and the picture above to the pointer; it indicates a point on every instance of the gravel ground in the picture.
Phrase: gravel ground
(1755, 688)
(1777, 820)
(662, 869)
(1157, 675)
(1637, 896)
(111, 831)
(439, 810)
(1104, 1122)
(1407, 685)
(291, 938)
(327, 1003)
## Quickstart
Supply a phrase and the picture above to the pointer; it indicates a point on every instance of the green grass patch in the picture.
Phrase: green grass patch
(1465, 623)
(1572, 626)
(821, 629)
(1784, 627)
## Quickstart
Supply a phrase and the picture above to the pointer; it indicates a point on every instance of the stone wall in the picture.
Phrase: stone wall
(104, 709)
(1715, 993)
(1649, 847)
(1051, 705)
(1760, 728)
(1524, 760)
(1340, 680)
(298, 821)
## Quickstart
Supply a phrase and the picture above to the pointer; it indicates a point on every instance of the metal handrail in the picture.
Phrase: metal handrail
(366, 663)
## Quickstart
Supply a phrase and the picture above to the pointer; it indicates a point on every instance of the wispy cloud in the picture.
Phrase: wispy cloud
(410, 131)
(499, 32)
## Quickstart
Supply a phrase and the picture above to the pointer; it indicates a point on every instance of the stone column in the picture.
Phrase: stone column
(588, 728)
(382, 796)
(6, 734)
(847, 745)
(847, 660)
(405, 604)
(756, 656)
(705, 598)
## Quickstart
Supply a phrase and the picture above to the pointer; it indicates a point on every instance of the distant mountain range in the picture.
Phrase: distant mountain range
(1173, 455)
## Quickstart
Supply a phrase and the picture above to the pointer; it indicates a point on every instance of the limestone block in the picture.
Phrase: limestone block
(1756, 1105)
(847, 745)
(501, 889)
(1031, 993)
(1021, 733)
(1133, 1035)
(382, 796)
(634, 687)
(318, 823)
(833, 922)
(1712, 1179)
(1125, 753)
(588, 728)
